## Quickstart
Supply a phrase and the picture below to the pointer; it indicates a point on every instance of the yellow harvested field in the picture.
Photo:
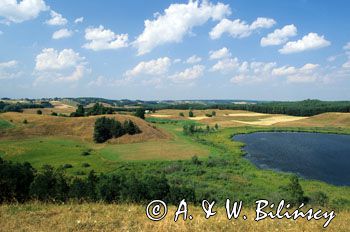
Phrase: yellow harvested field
(249, 114)
(60, 105)
(160, 115)
(199, 118)
(322, 120)
(271, 120)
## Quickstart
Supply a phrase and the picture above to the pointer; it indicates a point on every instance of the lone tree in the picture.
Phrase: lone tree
(80, 111)
(191, 114)
(140, 112)
(294, 191)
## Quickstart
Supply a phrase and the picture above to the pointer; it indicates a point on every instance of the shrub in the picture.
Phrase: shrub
(190, 114)
(50, 185)
(39, 112)
(178, 192)
(216, 126)
(86, 153)
(181, 114)
(54, 114)
(67, 166)
(80, 173)
(15, 180)
(85, 165)
(25, 121)
(78, 189)
(319, 198)
(294, 192)
(195, 160)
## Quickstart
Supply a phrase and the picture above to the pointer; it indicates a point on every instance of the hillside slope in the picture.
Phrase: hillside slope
(82, 127)
(322, 120)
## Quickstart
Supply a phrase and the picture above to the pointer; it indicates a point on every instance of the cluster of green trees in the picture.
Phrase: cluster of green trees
(97, 109)
(107, 128)
(18, 107)
(21, 182)
(192, 128)
(100, 109)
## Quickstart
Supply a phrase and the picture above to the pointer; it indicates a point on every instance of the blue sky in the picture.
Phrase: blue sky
(242, 49)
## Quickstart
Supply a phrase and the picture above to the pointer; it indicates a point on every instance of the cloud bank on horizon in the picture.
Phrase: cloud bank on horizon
(187, 49)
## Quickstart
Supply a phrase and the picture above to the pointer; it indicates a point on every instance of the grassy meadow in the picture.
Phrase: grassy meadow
(162, 148)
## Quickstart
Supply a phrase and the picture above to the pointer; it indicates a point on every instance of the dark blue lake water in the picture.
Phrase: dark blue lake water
(324, 157)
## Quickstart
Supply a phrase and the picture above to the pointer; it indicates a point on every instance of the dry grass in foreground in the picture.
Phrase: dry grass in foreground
(101, 217)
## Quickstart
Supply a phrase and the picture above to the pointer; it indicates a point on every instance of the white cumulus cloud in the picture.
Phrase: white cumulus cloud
(219, 54)
(252, 72)
(56, 19)
(311, 41)
(51, 59)
(177, 21)
(188, 74)
(17, 12)
(225, 65)
(8, 69)
(65, 65)
(238, 28)
(100, 39)
(305, 74)
(154, 67)
(279, 36)
(61, 34)
(193, 59)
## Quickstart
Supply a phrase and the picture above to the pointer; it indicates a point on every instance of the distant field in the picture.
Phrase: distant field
(129, 217)
(234, 118)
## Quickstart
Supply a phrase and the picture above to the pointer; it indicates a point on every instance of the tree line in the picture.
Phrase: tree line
(100, 109)
(294, 108)
(22, 182)
(18, 107)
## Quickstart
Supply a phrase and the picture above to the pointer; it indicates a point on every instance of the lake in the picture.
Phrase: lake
(324, 157)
